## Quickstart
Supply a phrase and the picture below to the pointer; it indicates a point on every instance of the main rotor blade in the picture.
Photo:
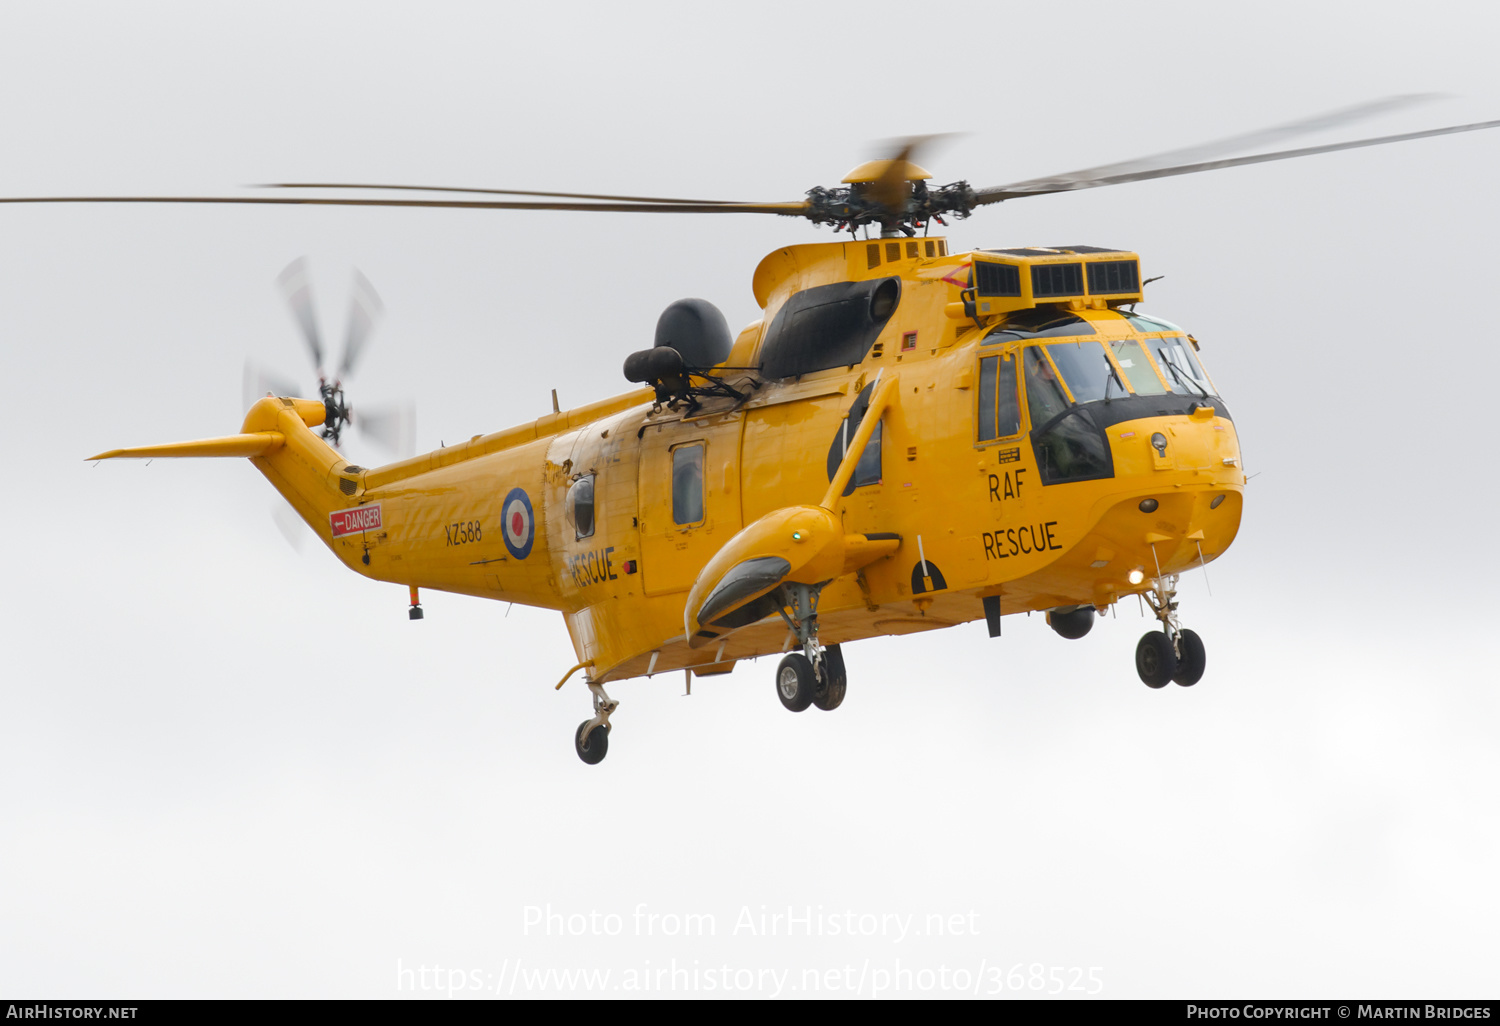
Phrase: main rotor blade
(489, 192)
(297, 289)
(793, 209)
(1235, 143)
(1066, 183)
(890, 189)
(364, 308)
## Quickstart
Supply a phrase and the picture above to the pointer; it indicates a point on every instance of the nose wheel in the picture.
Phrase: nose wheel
(1173, 653)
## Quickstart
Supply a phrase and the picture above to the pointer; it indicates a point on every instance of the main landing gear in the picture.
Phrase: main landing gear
(816, 675)
(591, 742)
(1173, 653)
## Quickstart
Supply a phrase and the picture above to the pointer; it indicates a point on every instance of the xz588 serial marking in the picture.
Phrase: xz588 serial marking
(463, 533)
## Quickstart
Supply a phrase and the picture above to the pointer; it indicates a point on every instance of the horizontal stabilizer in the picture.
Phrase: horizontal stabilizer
(257, 443)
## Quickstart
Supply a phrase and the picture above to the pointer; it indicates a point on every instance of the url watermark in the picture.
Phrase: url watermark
(869, 978)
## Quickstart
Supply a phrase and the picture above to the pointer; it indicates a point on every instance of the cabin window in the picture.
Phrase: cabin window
(581, 507)
(999, 407)
(1137, 367)
(868, 470)
(687, 484)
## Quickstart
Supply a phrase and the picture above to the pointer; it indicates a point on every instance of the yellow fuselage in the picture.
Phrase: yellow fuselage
(974, 516)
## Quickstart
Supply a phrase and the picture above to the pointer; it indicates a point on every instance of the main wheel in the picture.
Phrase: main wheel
(1155, 660)
(1192, 659)
(597, 747)
(1073, 624)
(796, 684)
(829, 694)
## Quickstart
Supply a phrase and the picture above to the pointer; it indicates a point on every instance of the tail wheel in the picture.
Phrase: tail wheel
(796, 684)
(1155, 659)
(595, 748)
(1191, 660)
(829, 694)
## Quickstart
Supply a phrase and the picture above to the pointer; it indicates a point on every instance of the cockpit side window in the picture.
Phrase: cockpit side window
(1045, 397)
(999, 407)
(1069, 445)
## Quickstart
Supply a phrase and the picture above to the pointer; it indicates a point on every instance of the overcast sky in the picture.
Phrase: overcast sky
(234, 768)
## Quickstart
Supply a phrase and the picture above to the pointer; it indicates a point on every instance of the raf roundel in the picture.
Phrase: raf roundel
(520, 524)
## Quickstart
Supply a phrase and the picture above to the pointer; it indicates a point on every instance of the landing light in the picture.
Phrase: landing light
(1149, 505)
(1136, 577)
(1215, 504)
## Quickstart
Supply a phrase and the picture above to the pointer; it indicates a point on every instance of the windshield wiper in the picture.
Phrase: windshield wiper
(1112, 378)
(1189, 380)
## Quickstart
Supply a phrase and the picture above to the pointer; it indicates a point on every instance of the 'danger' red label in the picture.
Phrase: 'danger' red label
(361, 518)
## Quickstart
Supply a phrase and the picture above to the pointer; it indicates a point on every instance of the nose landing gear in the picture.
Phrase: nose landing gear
(1174, 653)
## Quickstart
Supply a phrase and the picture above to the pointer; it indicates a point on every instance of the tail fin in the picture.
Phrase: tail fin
(278, 439)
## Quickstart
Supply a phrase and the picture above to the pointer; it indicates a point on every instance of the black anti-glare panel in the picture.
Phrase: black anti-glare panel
(1091, 249)
(991, 279)
(1056, 280)
(1022, 252)
(1113, 276)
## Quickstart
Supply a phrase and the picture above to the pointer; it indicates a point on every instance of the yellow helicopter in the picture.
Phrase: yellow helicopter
(909, 438)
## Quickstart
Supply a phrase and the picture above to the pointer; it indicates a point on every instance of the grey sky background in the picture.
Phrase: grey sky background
(233, 769)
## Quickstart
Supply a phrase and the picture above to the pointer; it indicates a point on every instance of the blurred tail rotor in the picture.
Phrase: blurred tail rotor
(365, 309)
(289, 524)
(260, 382)
(393, 427)
(297, 288)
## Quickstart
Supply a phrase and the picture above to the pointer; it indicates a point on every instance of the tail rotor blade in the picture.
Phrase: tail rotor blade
(393, 427)
(297, 288)
(365, 309)
(291, 526)
(259, 382)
